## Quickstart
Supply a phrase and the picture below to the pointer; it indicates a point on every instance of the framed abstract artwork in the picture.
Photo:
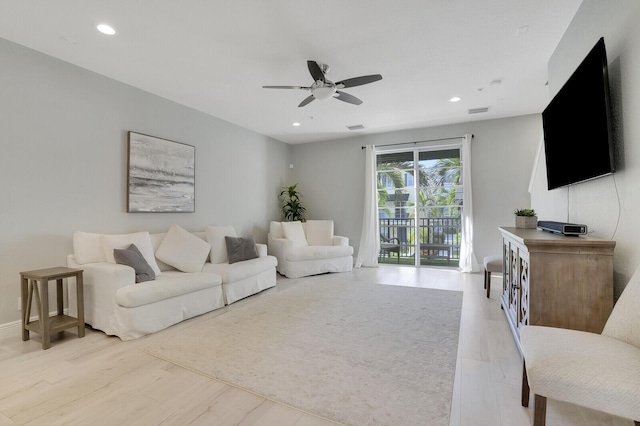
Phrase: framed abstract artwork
(161, 177)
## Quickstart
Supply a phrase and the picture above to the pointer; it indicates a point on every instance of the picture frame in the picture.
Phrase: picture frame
(161, 175)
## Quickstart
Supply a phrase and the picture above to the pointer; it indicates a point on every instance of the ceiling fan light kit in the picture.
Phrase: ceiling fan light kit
(323, 92)
(322, 88)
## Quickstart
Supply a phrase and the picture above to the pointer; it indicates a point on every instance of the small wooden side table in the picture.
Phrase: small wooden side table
(37, 283)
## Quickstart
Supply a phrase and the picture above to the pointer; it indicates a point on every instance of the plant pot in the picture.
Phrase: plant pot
(530, 222)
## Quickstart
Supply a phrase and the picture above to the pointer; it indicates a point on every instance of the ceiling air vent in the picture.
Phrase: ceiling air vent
(478, 110)
(356, 127)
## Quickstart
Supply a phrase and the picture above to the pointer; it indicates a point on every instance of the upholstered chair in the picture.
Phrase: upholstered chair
(598, 371)
(308, 248)
(491, 264)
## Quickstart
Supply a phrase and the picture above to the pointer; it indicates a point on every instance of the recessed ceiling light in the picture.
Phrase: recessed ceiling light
(454, 99)
(296, 124)
(106, 29)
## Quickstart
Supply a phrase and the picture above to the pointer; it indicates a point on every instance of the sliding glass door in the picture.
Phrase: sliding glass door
(419, 206)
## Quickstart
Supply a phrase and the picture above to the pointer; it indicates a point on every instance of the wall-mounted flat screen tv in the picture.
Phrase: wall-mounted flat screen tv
(577, 124)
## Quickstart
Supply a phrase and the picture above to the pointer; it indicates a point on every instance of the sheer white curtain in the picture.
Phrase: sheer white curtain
(468, 261)
(370, 236)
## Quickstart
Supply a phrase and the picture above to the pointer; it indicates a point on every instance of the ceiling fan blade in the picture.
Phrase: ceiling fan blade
(307, 100)
(315, 70)
(358, 81)
(286, 87)
(345, 97)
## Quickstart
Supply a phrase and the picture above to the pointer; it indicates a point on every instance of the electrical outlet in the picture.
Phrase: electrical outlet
(19, 304)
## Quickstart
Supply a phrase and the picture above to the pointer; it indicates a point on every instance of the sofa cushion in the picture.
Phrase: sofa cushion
(231, 273)
(142, 240)
(156, 240)
(240, 249)
(275, 230)
(263, 249)
(293, 231)
(215, 236)
(183, 250)
(318, 252)
(132, 257)
(87, 248)
(168, 285)
(319, 232)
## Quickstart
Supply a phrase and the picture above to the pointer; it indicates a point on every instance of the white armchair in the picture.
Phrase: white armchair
(308, 248)
(598, 371)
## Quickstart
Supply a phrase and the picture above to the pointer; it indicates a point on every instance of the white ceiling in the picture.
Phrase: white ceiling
(215, 56)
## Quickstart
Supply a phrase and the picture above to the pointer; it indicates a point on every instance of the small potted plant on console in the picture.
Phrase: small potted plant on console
(526, 218)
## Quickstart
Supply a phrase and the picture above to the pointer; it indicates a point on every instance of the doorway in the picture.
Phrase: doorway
(420, 206)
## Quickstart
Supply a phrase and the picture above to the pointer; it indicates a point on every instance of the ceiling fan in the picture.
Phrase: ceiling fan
(322, 88)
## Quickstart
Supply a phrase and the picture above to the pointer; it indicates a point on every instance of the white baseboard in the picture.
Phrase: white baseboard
(14, 328)
(11, 329)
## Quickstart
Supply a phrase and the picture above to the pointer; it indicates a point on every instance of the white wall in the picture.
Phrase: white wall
(63, 166)
(609, 205)
(331, 174)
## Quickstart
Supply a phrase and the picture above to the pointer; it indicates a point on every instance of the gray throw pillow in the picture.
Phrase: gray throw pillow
(240, 249)
(131, 256)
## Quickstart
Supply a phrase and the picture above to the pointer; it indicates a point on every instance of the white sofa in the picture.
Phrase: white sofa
(308, 248)
(204, 281)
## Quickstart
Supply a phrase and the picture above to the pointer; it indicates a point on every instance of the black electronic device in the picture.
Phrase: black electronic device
(578, 140)
(562, 227)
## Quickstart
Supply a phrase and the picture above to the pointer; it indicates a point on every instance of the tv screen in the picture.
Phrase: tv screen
(577, 124)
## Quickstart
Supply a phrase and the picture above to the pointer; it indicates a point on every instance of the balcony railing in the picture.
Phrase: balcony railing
(437, 241)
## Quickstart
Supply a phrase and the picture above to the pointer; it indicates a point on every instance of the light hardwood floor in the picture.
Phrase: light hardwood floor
(100, 380)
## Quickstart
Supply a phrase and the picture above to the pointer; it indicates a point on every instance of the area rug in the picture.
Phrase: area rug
(354, 353)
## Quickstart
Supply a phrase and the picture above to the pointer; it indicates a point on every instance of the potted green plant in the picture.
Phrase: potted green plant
(526, 218)
(292, 208)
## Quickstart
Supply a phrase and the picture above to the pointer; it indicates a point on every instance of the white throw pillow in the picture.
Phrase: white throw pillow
(275, 229)
(320, 232)
(142, 240)
(183, 250)
(87, 248)
(215, 237)
(293, 231)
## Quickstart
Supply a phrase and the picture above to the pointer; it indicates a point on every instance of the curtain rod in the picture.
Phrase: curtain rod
(417, 142)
